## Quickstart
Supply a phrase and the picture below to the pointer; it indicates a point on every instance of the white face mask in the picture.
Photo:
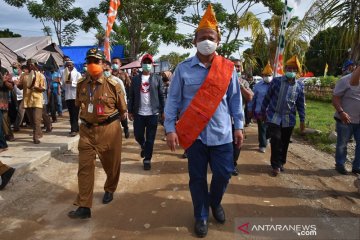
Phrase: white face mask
(268, 79)
(206, 47)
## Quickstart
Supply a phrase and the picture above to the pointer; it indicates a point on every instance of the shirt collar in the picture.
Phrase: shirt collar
(99, 80)
(195, 61)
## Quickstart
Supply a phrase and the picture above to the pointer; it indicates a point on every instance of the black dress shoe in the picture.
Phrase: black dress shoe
(201, 228)
(235, 172)
(341, 169)
(5, 178)
(108, 197)
(147, 166)
(219, 214)
(80, 213)
(127, 133)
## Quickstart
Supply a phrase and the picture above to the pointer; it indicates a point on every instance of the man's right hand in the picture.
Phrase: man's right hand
(345, 118)
(172, 141)
(131, 116)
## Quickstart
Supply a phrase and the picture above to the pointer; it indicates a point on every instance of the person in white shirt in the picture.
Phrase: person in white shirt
(146, 103)
(69, 81)
(17, 72)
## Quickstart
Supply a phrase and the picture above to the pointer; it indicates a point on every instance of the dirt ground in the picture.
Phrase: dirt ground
(156, 204)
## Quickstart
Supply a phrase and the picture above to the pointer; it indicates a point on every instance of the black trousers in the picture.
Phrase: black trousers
(74, 115)
(124, 124)
(280, 139)
(236, 152)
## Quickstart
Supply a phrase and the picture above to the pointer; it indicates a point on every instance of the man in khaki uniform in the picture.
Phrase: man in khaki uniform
(34, 86)
(101, 103)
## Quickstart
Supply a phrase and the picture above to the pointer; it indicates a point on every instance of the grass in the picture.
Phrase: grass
(319, 115)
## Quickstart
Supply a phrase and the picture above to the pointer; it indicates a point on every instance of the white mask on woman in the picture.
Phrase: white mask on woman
(206, 47)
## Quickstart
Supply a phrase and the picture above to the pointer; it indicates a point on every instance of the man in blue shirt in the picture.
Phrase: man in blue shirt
(284, 97)
(213, 145)
(254, 106)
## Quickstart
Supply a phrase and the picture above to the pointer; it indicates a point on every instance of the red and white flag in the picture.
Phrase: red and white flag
(112, 13)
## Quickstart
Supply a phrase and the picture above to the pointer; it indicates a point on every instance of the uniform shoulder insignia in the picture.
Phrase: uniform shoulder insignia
(112, 81)
(81, 79)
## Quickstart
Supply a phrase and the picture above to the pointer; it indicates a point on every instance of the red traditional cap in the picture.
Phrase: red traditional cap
(147, 56)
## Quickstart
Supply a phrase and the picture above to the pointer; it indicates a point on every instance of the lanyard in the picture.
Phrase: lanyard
(92, 93)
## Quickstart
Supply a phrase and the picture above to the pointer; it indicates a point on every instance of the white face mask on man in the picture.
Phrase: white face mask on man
(206, 47)
(268, 79)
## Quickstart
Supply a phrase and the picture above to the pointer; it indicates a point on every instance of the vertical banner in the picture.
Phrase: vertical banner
(279, 57)
(326, 69)
(112, 13)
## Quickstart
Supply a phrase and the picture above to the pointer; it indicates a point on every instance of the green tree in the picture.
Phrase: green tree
(61, 14)
(6, 33)
(324, 48)
(142, 25)
(174, 58)
(344, 14)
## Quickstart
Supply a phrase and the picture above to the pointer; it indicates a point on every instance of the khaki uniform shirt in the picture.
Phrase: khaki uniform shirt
(105, 93)
(33, 98)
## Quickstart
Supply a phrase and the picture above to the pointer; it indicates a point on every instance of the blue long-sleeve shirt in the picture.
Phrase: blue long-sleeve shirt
(282, 100)
(260, 90)
(186, 81)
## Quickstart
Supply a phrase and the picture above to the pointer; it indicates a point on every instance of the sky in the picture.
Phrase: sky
(19, 20)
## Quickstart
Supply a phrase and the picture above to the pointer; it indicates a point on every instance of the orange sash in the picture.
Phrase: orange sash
(205, 102)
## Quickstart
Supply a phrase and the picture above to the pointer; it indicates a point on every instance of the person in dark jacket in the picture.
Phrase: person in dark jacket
(146, 102)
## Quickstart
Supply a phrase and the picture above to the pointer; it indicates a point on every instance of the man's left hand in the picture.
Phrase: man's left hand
(302, 128)
(238, 138)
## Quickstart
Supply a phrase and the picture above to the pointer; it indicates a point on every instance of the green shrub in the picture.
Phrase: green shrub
(329, 81)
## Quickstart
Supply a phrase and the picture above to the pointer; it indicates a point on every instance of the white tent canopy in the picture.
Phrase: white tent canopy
(7, 56)
(39, 48)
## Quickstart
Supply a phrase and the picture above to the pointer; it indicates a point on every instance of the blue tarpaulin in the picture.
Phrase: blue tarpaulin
(78, 53)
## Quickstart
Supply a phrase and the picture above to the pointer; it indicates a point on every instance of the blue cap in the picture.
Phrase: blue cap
(347, 64)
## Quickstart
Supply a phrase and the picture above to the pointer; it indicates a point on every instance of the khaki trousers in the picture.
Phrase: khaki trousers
(104, 141)
(35, 115)
(3, 168)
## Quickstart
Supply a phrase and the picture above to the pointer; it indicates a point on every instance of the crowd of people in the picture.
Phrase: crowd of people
(204, 106)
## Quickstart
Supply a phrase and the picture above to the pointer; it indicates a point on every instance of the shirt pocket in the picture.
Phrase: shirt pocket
(191, 85)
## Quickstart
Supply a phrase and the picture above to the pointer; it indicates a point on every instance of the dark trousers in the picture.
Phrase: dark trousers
(262, 133)
(74, 115)
(220, 159)
(247, 118)
(236, 151)
(6, 124)
(280, 139)
(3, 143)
(46, 118)
(124, 124)
(145, 131)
